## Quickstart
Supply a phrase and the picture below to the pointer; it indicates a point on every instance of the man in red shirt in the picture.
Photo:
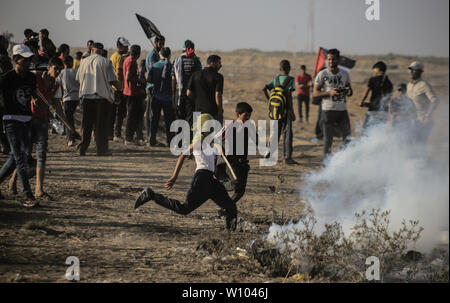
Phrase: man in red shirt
(134, 92)
(304, 82)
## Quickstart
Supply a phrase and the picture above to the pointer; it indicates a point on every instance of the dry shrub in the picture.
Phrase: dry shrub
(333, 256)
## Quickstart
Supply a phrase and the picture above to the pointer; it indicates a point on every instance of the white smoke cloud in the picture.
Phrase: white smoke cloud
(388, 171)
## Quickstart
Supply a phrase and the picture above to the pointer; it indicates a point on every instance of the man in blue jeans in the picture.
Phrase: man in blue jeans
(19, 87)
(160, 76)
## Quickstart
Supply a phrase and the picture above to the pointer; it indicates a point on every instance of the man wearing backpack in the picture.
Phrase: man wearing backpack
(280, 107)
(160, 76)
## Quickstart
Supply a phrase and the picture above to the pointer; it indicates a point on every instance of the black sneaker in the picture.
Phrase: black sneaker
(145, 196)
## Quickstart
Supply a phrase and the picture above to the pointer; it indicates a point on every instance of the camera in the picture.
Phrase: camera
(342, 92)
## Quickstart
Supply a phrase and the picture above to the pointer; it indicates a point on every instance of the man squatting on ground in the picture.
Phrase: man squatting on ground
(333, 86)
(203, 185)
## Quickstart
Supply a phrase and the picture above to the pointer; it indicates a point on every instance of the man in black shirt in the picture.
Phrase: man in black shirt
(206, 88)
(381, 88)
(5, 66)
(19, 88)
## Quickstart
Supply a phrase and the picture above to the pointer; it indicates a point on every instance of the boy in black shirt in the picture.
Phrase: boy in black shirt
(19, 89)
(381, 88)
(240, 134)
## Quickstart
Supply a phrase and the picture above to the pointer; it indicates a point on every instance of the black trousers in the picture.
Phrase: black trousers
(285, 128)
(203, 187)
(186, 108)
(118, 114)
(303, 99)
(95, 118)
(334, 124)
(135, 115)
(69, 110)
(318, 130)
(241, 168)
(169, 117)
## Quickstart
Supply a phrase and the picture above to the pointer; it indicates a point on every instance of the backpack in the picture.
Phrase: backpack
(277, 99)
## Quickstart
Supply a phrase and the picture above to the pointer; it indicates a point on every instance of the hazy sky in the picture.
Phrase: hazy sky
(416, 27)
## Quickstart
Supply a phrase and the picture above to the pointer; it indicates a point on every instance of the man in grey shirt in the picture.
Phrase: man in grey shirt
(70, 95)
(333, 86)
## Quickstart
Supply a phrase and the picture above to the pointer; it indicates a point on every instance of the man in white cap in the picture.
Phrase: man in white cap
(120, 105)
(424, 99)
(19, 90)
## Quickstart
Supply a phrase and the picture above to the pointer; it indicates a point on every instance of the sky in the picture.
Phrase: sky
(411, 27)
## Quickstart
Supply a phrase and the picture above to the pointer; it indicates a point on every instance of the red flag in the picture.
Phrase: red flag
(320, 61)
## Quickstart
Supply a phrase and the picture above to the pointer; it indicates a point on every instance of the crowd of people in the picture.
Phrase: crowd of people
(42, 83)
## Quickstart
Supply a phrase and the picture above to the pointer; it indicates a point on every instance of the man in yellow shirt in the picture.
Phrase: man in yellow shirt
(424, 99)
(120, 107)
(76, 61)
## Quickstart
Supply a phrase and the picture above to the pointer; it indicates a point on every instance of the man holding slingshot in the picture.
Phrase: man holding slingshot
(203, 186)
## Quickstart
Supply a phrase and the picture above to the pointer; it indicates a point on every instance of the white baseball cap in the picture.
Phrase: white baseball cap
(416, 65)
(124, 41)
(23, 50)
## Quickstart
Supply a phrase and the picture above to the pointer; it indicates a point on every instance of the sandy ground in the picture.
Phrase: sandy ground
(92, 216)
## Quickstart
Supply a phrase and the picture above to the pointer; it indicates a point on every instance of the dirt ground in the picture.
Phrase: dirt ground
(92, 216)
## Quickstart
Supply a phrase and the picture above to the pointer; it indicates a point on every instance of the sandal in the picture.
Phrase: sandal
(31, 203)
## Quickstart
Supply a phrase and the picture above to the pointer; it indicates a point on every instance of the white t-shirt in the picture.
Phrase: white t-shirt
(207, 159)
(329, 81)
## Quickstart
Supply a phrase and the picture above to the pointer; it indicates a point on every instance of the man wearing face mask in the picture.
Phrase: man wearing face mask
(424, 99)
(206, 88)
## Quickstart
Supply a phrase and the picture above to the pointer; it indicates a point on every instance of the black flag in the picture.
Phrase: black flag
(148, 27)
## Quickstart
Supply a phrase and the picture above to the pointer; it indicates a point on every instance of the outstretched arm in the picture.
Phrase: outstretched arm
(169, 183)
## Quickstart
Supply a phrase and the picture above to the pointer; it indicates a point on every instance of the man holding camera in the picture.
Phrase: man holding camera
(333, 86)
